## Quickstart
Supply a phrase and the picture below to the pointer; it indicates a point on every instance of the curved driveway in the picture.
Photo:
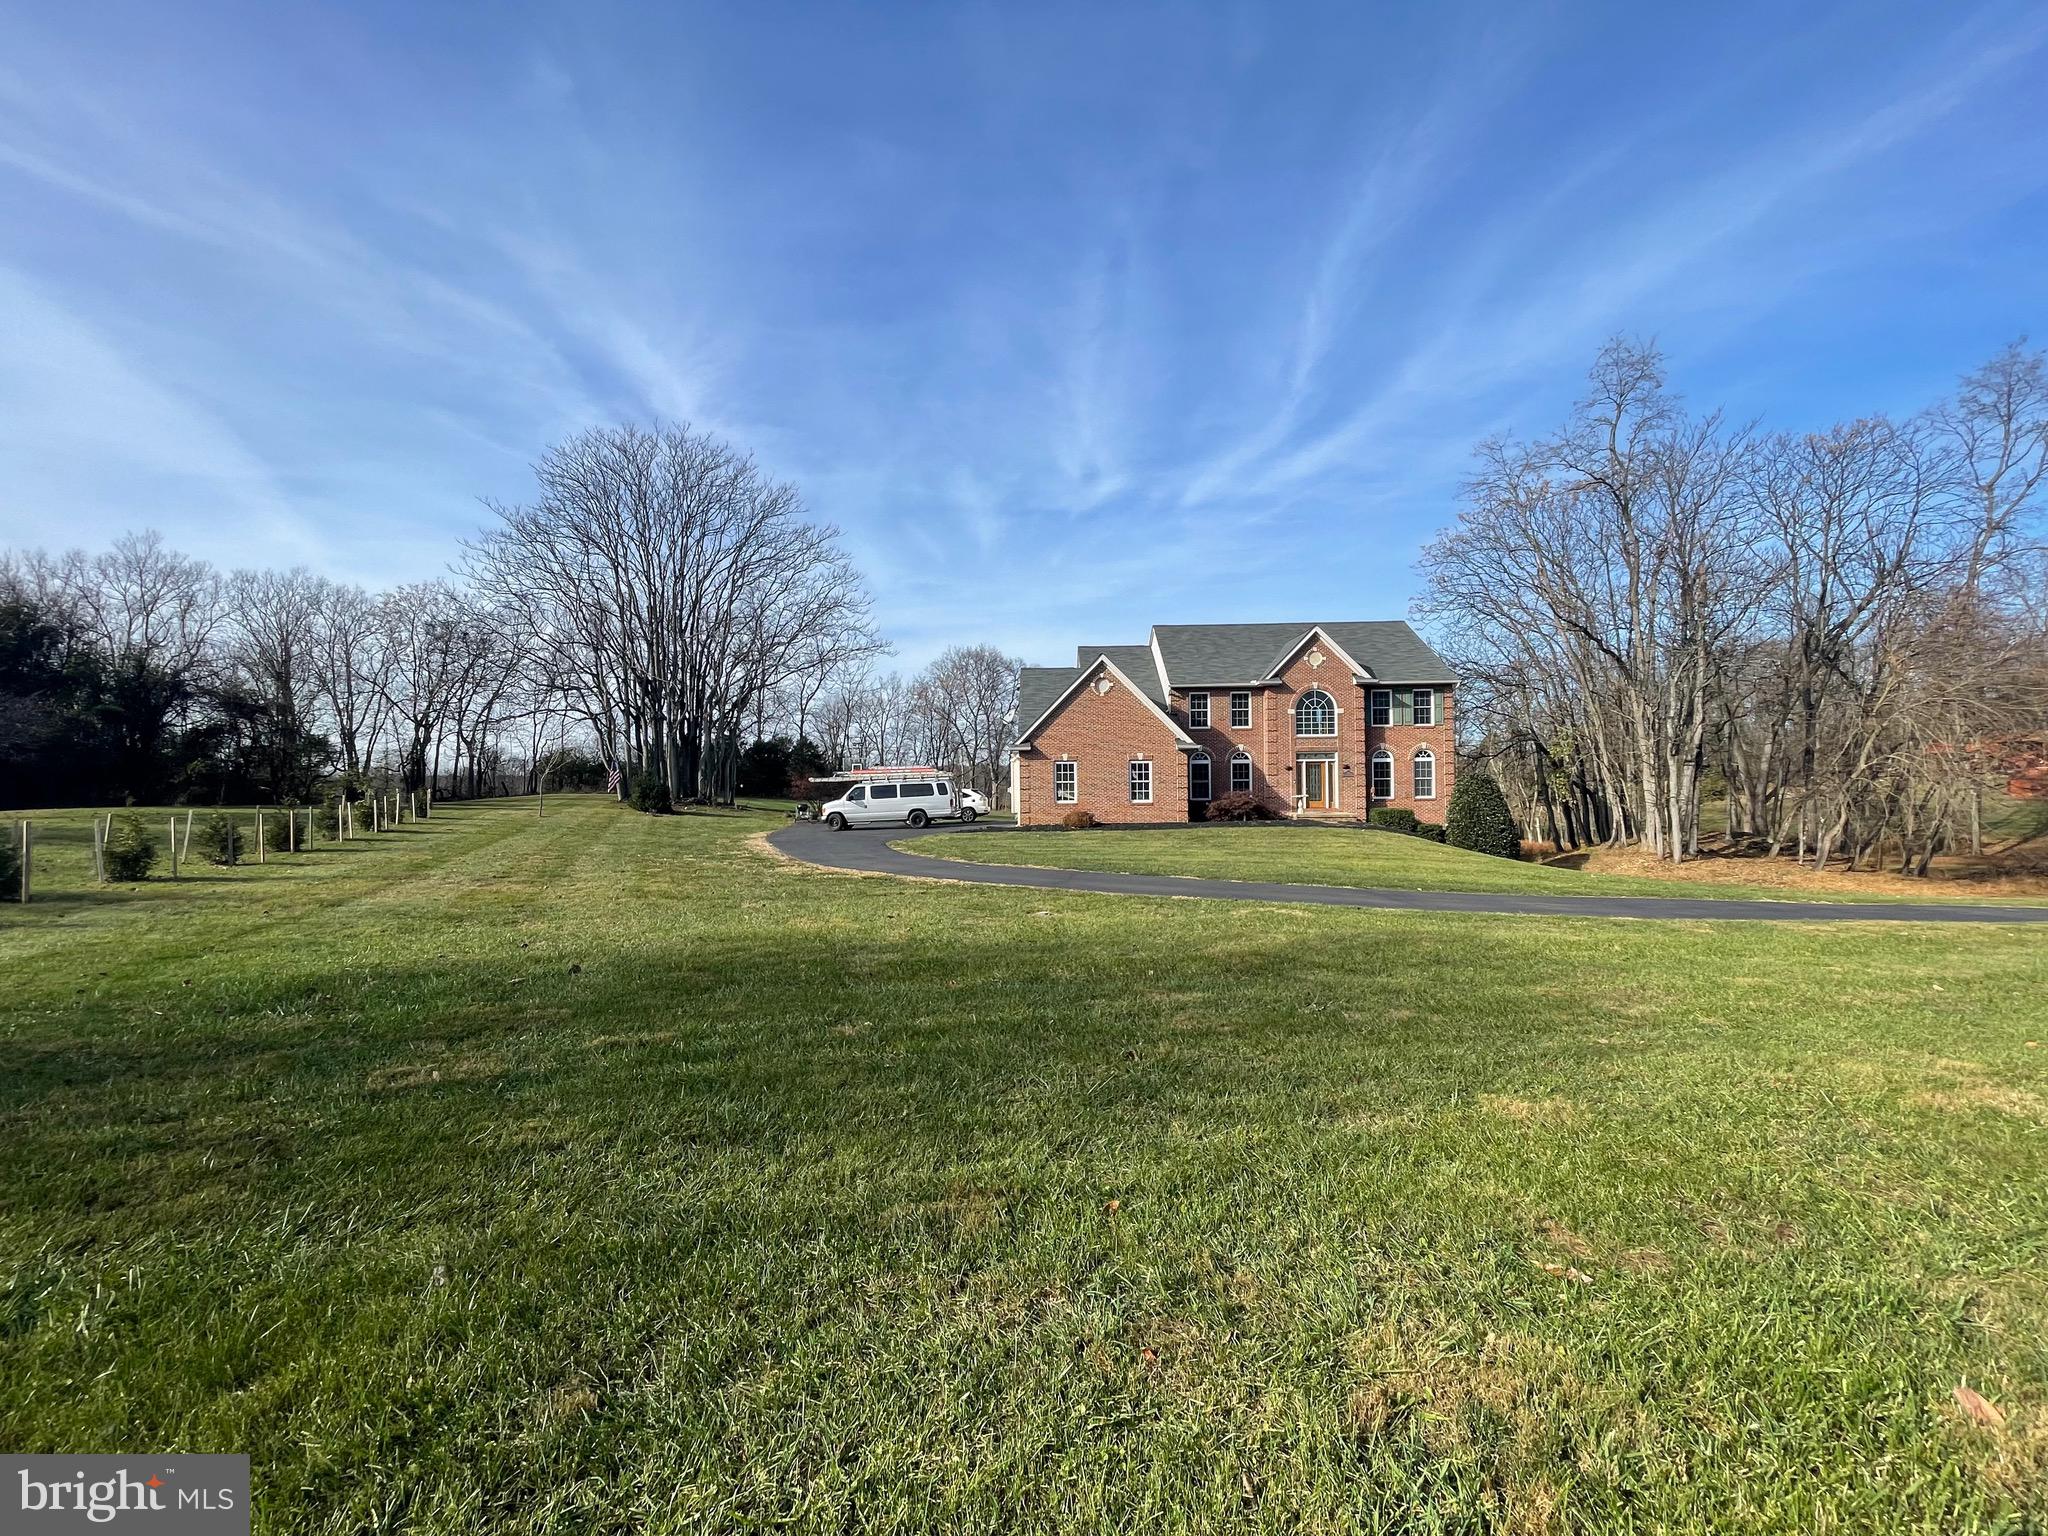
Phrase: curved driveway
(867, 851)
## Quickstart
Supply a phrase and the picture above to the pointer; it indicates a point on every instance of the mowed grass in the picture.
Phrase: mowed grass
(607, 1173)
(1358, 856)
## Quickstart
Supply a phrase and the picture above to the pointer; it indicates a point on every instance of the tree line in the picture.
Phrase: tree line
(953, 713)
(659, 600)
(1840, 635)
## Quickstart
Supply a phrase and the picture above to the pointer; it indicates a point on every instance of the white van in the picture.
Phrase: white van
(884, 802)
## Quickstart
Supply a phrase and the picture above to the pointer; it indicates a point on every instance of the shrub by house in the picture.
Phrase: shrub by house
(1479, 818)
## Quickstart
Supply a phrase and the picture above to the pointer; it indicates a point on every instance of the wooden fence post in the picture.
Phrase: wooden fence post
(28, 849)
(188, 833)
(174, 847)
(259, 834)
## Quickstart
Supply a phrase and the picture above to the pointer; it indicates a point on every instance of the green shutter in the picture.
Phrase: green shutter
(1404, 707)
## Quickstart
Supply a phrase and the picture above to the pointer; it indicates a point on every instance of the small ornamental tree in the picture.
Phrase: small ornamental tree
(277, 829)
(131, 851)
(220, 839)
(1478, 818)
(1238, 805)
(651, 795)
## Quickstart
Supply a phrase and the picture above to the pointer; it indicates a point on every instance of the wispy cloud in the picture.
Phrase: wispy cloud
(1561, 306)
(94, 444)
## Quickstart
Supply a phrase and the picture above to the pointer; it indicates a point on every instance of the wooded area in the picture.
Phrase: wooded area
(1843, 634)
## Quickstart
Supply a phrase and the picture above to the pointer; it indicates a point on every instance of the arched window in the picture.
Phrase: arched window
(1240, 772)
(1383, 775)
(1198, 776)
(1315, 714)
(1425, 774)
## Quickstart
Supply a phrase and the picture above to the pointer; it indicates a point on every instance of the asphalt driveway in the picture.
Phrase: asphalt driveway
(866, 851)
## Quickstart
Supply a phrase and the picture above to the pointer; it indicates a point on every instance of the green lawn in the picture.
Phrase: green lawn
(606, 1173)
(1357, 856)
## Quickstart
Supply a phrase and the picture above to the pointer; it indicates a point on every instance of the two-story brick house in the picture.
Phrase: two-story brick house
(1323, 721)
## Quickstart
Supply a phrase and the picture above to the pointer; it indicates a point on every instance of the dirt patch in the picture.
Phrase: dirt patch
(1554, 1111)
(447, 1069)
(1565, 1240)
(1721, 865)
(1981, 1095)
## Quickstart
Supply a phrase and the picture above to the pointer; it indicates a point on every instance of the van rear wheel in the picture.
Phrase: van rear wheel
(918, 818)
(836, 822)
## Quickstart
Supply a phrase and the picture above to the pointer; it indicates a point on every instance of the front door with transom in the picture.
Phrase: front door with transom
(1315, 786)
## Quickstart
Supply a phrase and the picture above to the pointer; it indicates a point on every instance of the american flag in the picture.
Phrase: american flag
(611, 782)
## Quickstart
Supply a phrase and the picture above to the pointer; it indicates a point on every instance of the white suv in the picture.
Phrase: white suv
(973, 803)
(878, 802)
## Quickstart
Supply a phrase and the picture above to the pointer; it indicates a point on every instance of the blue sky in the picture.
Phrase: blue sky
(1074, 319)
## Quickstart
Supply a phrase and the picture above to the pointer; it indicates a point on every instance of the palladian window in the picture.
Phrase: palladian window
(1315, 714)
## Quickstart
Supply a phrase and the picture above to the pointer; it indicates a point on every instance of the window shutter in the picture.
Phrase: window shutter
(1404, 707)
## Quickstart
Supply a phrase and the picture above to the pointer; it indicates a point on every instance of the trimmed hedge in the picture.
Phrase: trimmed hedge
(1479, 818)
(1078, 820)
(1394, 818)
(131, 849)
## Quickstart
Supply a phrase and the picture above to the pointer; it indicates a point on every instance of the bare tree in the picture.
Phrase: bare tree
(687, 584)
(969, 693)
(1835, 621)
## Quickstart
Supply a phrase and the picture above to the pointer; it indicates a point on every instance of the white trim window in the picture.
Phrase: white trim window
(1198, 711)
(1198, 776)
(1380, 707)
(1315, 714)
(1240, 772)
(1383, 775)
(1241, 710)
(1425, 774)
(1141, 781)
(1066, 783)
(1425, 706)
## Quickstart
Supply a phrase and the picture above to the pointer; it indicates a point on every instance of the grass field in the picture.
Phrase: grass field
(608, 1173)
(1358, 856)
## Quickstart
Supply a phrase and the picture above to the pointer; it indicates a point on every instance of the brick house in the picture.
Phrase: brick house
(1320, 721)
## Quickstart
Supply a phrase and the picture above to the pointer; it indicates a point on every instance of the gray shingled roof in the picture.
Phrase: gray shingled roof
(1037, 687)
(1134, 661)
(1219, 655)
(1242, 653)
